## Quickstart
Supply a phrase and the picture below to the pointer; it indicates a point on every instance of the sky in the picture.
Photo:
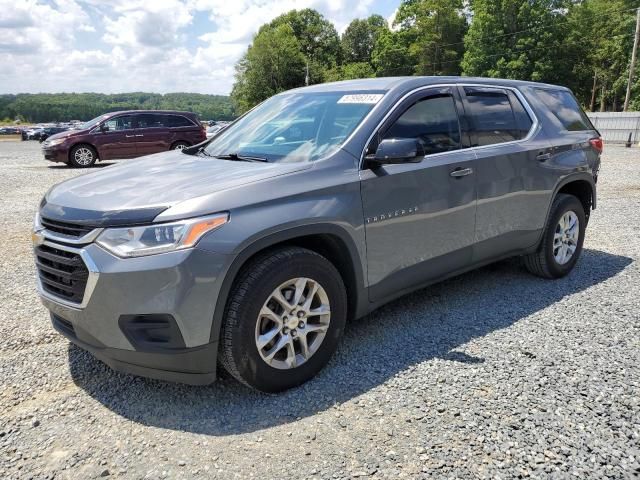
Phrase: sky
(142, 45)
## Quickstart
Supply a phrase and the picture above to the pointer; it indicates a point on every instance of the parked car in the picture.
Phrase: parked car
(9, 131)
(126, 134)
(254, 249)
(213, 130)
(46, 132)
(32, 133)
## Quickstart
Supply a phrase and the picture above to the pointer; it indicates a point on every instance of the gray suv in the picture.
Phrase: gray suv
(319, 205)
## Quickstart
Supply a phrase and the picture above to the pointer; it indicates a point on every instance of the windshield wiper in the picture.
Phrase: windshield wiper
(202, 151)
(240, 158)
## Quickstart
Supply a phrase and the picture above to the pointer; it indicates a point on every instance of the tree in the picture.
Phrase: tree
(318, 39)
(435, 32)
(391, 56)
(350, 71)
(359, 39)
(273, 63)
(516, 39)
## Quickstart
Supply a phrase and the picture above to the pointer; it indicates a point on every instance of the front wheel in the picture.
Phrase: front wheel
(82, 156)
(283, 320)
(562, 239)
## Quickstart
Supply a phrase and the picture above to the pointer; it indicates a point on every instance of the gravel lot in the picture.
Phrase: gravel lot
(495, 374)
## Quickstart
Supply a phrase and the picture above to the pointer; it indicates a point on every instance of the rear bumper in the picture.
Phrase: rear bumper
(183, 365)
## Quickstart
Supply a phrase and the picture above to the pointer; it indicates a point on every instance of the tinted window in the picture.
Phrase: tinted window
(433, 120)
(124, 122)
(177, 121)
(150, 120)
(495, 120)
(566, 109)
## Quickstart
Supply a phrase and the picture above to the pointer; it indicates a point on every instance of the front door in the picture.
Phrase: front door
(118, 139)
(420, 217)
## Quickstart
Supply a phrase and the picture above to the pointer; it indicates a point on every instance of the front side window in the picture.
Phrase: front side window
(294, 127)
(124, 122)
(494, 118)
(433, 121)
(566, 109)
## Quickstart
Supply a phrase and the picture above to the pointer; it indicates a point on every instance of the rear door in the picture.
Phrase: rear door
(509, 147)
(420, 217)
(152, 134)
(184, 129)
(119, 141)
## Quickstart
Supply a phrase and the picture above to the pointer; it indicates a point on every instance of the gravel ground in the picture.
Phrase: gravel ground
(494, 374)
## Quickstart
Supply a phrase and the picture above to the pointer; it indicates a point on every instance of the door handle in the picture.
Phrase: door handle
(129, 136)
(140, 135)
(543, 157)
(461, 172)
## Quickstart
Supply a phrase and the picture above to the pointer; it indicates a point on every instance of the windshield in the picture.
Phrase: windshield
(295, 127)
(92, 123)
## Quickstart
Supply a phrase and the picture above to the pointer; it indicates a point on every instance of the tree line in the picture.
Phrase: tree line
(60, 107)
(582, 44)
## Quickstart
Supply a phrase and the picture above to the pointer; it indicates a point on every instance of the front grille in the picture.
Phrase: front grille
(62, 273)
(70, 229)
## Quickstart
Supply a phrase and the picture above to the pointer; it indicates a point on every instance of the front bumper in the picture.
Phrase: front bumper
(182, 286)
(58, 153)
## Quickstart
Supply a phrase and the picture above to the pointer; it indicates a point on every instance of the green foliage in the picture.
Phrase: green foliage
(273, 63)
(433, 31)
(392, 56)
(58, 107)
(350, 71)
(359, 39)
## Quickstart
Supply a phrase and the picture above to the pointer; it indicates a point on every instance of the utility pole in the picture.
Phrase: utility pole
(632, 67)
(593, 92)
(306, 76)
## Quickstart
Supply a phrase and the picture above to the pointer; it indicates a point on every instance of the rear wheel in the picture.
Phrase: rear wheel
(284, 319)
(561, 241)
(180, 145)
(82, 156)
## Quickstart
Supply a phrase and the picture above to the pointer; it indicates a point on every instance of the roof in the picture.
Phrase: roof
(389, 83)
(179, 112)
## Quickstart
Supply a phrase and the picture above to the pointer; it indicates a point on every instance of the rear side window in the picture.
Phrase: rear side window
(433, 120)
(150, 120)
(177, 121)
(565, 108)
(498, 116)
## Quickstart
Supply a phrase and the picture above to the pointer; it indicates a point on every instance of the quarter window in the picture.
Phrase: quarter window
(565, 108)
(433, 121)
(495, 118)
(125, 122)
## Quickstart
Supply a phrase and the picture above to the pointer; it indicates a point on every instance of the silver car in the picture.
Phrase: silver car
(321, 204)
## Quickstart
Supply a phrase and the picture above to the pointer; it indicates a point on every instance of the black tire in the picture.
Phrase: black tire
(74, 156)
(543, 263)
(239, 353)
(180, 145)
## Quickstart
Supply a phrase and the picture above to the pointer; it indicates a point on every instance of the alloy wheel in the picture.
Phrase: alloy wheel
(565, 238)
(83, 156)
(292, 323)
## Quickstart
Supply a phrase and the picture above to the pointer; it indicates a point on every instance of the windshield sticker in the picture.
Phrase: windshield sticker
(367, 98)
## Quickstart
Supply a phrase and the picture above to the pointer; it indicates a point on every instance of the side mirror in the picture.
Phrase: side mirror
(104, 127)
(393, 151)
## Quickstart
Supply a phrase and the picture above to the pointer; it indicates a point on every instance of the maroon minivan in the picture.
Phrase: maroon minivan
(125, 134)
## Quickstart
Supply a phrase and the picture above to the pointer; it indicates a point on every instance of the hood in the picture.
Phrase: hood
(67, 133)
(152, 184)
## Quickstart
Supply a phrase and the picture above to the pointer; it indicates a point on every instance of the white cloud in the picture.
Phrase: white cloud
(126, 45)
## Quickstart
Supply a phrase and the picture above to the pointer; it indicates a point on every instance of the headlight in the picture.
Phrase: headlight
(54, 142)
(160, 238)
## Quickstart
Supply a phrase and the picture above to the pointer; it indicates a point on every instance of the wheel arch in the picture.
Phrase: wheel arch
(330, 241)
(582, 186)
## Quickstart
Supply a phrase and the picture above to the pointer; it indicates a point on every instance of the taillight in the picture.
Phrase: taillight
(597, 143)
